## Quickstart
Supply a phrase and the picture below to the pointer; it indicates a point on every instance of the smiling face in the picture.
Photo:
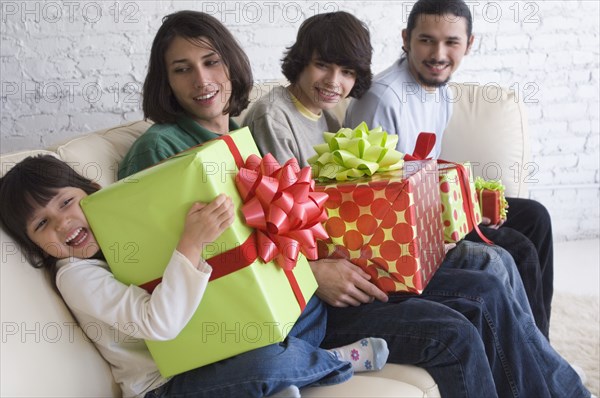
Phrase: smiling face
(199, 80)
(436, 47)
(323, 85)
(60, 228)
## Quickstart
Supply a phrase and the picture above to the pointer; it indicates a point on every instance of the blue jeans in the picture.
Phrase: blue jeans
(472, 329)
(532, 219)
(262, 372)
(527, 236)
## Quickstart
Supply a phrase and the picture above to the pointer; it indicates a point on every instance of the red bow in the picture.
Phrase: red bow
(423, 147)
(280, 202)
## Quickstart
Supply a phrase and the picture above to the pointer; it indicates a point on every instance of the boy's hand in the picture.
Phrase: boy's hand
(448, 247)
(204, 223)
(342, 283)
(488, 223)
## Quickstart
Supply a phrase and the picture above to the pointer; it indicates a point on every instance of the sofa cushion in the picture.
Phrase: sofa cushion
(489, 129)
(97, 155)
(43, 349)
(7, 161)
(413, 375)
(361, 386)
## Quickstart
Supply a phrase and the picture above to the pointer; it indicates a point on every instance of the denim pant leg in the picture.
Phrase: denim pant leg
(311, 324)
(528, 265)
(460, 289)
(267, 370)
(523, 362)
(492, 259)
(532, 219)
(422, 333)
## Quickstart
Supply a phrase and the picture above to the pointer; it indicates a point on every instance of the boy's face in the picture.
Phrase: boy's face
(322, 85)
(60, 228)
(436, 47)
(199, 80)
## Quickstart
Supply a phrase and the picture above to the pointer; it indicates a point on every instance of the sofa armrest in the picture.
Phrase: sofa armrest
(489, 128)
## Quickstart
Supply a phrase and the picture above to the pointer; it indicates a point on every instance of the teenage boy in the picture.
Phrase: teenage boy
(411, 96)
(463, 329)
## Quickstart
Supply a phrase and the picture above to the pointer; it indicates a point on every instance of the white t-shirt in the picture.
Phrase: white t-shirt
(117, 318)
(399, 104)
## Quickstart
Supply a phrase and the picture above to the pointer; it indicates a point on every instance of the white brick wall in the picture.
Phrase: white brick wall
(67, 67)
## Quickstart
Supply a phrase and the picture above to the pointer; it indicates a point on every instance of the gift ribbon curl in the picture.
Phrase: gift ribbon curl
(281, 204)
(423, 146)
(355, 153)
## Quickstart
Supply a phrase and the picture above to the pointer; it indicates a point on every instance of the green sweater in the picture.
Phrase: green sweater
(162, 141)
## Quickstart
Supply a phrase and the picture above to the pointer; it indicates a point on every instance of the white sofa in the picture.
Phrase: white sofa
(43, 351)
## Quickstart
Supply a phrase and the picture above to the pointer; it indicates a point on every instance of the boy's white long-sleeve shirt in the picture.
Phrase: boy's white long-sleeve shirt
(117, 318)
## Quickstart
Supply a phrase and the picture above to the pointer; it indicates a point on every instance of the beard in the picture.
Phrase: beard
(432, 82)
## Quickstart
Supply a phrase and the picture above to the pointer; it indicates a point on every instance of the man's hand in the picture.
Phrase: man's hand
(342, 283)
(488, 223)
(448, 247)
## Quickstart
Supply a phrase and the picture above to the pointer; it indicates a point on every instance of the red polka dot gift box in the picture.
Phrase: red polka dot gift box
(389, 224)
(460, 205)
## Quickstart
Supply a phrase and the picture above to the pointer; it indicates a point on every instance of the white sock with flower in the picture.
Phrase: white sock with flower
(365, 355)
(288, 392)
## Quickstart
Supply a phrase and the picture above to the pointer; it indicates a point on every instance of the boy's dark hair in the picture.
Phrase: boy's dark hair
(458, 8)
(30, 183)
(159, 103)
(337, 37)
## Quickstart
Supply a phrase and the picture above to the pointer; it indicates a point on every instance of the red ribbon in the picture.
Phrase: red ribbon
(423, 147)
(244, 255)
(465, 188)
(223, 264)
(281, 203)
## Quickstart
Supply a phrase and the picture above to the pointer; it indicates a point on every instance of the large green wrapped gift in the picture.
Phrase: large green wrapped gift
(248, 303)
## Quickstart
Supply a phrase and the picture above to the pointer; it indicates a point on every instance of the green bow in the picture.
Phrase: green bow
(355, 153)
(490, 185)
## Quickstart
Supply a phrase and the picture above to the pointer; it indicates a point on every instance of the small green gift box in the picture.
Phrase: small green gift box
(248, 303)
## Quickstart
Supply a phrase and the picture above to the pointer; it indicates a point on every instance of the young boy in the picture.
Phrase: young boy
(323, 69)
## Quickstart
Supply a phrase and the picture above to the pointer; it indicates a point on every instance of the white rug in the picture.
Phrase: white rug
(575, 333)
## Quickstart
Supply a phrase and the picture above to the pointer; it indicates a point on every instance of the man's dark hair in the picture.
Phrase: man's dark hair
(159, 103)
(457, 8)
(338, 38)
